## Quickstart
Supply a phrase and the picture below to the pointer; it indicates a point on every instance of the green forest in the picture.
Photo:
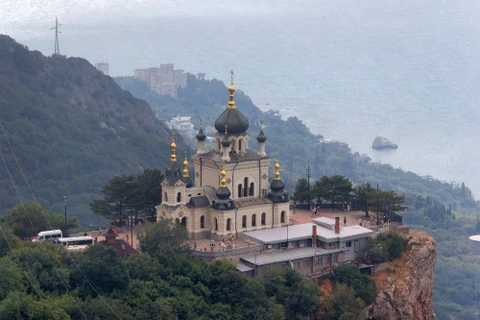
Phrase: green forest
(42, 280)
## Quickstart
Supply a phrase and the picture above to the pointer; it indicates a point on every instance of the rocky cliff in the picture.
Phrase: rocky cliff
(406, 285)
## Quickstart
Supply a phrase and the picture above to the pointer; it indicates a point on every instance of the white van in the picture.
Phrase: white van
(48, 235)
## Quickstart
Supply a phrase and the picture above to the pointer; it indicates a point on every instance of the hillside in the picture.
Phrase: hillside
(296, 145)
(67, 129)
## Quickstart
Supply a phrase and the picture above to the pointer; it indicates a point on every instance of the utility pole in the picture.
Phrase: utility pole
(57, 45)
(308, 175)
(377, 204)
(65, 200)
(131, 230)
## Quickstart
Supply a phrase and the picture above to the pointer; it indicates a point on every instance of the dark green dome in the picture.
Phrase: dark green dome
(234, 119)
(200, 135)
(261, 137)
(225, 142)
(277, 185)
(223, 193)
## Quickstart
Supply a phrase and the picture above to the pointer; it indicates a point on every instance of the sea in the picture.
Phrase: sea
(350, 70)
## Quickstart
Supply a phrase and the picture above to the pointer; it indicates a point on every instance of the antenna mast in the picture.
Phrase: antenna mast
(57, 46)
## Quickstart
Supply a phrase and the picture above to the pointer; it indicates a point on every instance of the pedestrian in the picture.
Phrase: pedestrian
(345, 220)
(85, 234)
(127, 237)
(213, 242)
(316, 210)
(294, 206)
(194, 245)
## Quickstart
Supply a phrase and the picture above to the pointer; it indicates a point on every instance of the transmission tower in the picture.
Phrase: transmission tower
(57, 46)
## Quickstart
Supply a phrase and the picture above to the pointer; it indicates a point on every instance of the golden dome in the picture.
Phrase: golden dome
(173, 146)
(223, 182)
(277, 169)
(185, 166)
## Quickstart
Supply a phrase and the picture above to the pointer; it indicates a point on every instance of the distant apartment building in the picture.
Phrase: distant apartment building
(163, 80)
(182, 124)
(103, 68)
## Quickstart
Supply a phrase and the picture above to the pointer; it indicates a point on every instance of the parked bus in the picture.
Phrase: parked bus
(48, 235)
(77, 243)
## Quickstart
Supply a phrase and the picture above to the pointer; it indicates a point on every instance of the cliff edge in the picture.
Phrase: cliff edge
(406, 285)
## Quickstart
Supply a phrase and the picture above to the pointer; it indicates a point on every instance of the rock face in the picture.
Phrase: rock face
(383, 143)
(406, 286)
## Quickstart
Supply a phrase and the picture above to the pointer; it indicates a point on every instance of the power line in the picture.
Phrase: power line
(44, 215)
(25, 272)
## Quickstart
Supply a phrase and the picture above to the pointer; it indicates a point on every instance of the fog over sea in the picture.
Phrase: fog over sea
(351, 70)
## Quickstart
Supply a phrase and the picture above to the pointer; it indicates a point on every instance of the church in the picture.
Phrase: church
(231, 193)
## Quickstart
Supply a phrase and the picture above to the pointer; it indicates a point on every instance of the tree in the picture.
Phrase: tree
(301, 190)
(362, 284)
(22, 306)
(387, 201)
(10, 277)
(8, 240)
(130, 195)
(149, 191)
(43, 262)
(117, 202)
(164, 237)
(362, 194)
(103, 271)
(335, 188)
(344, 305)
(26, 220)
(298, 295)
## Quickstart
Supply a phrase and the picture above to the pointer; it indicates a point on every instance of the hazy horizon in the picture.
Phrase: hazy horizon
(351, 71)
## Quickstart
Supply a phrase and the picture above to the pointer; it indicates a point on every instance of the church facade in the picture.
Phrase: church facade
(232, 192)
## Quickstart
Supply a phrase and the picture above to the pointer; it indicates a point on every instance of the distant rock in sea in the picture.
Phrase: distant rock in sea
(383, 143)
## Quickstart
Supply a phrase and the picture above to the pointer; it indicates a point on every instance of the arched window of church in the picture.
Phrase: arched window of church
(282, 217)
(254, 220)
(179, 197)
(177, 221)
(252, 189)
(229, 224)
(202, 222)
(264, 216)
(245, 185)
(244, 221)
(165, 197)
(234, 146)
(240, 146)
(240, 190)
(218, 144)
(216, 224)
(184, 221)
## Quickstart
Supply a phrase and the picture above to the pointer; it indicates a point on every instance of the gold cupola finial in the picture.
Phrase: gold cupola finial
(277, 168)
(185, 165)
(223, 173)
(231, 103)
(173, 146)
